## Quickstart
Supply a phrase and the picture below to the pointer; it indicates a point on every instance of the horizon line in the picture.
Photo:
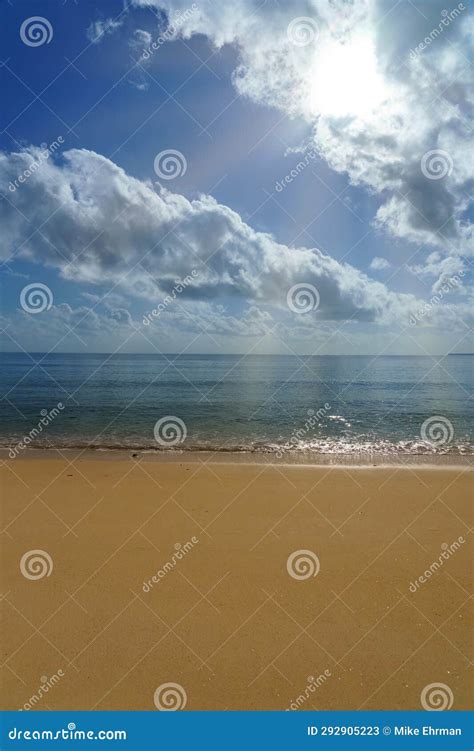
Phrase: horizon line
(232, 354)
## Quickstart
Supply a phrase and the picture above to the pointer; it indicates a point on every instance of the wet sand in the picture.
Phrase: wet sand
(190, 571)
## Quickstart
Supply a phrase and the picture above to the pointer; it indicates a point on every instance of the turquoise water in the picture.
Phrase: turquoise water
(324, 404)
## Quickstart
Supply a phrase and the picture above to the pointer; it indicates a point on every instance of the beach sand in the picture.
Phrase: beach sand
(227, 621)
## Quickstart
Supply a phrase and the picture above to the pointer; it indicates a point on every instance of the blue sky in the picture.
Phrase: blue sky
(364, 226)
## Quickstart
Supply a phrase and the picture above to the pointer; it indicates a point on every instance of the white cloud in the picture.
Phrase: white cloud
(101, 226)
(376, 110)
(441, 269)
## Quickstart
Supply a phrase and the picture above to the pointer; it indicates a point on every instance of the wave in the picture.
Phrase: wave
(339, 446)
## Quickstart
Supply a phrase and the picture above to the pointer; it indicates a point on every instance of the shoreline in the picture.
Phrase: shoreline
(227, 456)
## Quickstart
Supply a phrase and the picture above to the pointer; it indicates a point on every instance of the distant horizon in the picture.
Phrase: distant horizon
(236, 354)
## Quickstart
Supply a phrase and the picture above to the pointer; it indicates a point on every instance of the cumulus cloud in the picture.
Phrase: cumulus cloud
(378, 110)
(62, 325)
(105, 327)
(442, 269)
(85, 216)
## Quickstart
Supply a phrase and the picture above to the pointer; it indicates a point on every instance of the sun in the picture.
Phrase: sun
(345, 79)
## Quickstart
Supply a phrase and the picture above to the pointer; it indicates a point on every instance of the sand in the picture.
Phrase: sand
(227, 619)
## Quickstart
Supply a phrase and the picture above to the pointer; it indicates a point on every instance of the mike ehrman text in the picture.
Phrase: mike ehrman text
(425, 730)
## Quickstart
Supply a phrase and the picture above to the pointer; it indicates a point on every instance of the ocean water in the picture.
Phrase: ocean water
(321, 404)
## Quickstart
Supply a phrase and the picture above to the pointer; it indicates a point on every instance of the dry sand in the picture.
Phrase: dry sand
(227, 622)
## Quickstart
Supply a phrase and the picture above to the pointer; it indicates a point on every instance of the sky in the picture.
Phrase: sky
(236, 176)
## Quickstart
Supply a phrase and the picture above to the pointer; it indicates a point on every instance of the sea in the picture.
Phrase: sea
(246, 403)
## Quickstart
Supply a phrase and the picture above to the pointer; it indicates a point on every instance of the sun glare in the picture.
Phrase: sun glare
(345, 79)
